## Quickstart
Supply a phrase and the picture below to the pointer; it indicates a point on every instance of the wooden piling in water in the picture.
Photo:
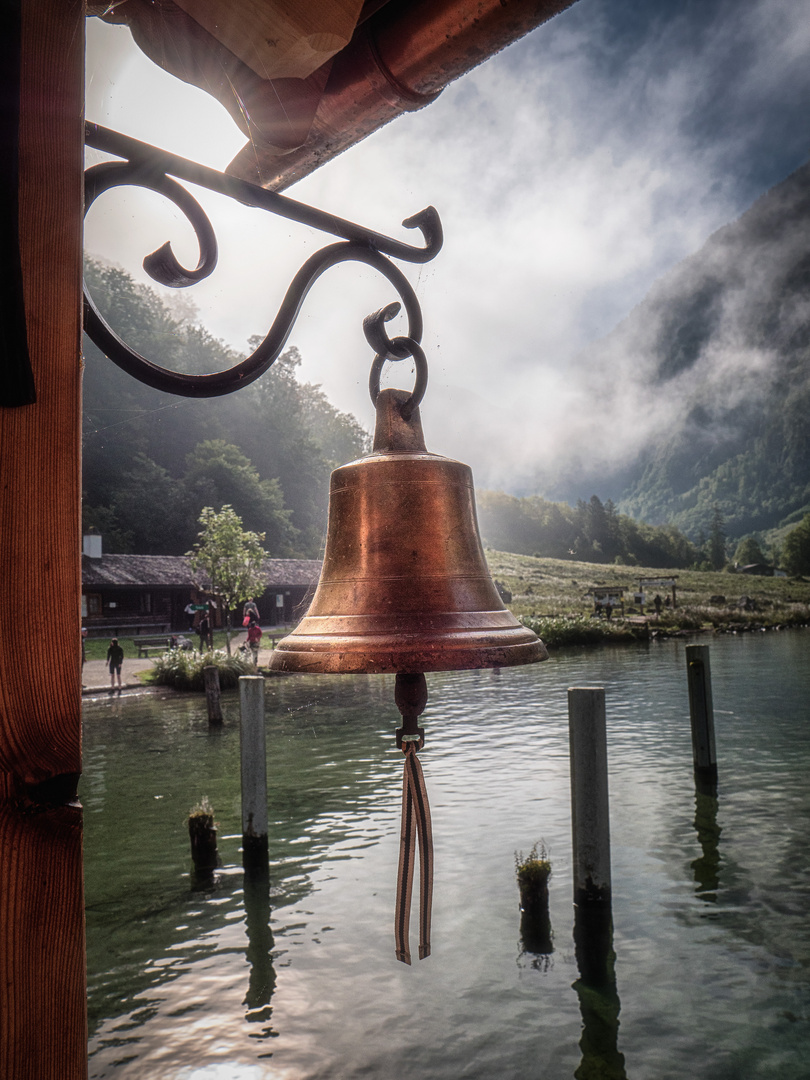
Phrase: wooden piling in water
(203, 836)
(701, 712)
(254, 773)
(212, 694)
(535, 922)
(589, 796)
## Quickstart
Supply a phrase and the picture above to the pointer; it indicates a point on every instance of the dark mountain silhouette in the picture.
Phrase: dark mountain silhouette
(712, 367)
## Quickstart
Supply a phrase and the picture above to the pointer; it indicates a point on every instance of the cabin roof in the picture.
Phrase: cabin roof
(174, 571)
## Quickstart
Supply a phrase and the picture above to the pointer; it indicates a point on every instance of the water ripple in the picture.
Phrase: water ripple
(710, 893)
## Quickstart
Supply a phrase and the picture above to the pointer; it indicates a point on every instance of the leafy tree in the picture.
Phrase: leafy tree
(338, 435)
(591, 531)
(154, 509)
(296, 435)
(218, 473)
(103, 520)
(137, 441)
(748, 551)
(227, 560)
(717, 540)
(598, 528)
(506, 522)
(796, 548)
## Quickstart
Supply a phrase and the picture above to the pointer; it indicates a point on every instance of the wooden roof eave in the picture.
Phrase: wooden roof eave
(399, 59)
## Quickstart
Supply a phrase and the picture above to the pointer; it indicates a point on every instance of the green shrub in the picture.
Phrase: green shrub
(683, 618)
(557, 631)
(183, 669)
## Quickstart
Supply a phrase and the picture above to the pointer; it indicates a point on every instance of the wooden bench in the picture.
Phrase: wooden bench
(110, 628)
(147, 645)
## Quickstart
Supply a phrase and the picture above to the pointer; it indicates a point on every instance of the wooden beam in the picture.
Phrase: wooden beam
(43, 1032)
(278, 39)
(43, 998)
(40, 597)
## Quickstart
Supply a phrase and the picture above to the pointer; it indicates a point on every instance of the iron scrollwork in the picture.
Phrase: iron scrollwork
(148, 167)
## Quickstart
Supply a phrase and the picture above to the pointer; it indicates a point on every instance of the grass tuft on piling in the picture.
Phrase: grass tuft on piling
(202, 831)
(533, 872)
(203, 808)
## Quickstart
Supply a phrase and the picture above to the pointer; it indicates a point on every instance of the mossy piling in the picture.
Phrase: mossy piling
(203, 836)
(532, 875)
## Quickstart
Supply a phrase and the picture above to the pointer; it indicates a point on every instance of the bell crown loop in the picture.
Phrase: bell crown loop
(414, 350)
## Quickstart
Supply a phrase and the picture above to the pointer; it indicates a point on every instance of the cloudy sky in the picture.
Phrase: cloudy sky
(570, 172)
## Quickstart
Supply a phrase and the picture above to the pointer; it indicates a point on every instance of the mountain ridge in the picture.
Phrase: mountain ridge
(715, 362)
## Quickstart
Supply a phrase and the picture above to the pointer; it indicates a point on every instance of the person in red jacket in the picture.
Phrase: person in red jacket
(254, 636)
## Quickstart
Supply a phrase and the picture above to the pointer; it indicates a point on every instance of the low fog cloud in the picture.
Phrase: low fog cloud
(593, 177)
(570, 172)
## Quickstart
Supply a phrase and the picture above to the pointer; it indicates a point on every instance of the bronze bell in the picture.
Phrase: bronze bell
(404, 585)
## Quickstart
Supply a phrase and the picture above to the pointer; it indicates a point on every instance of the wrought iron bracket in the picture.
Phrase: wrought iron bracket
(149, 167)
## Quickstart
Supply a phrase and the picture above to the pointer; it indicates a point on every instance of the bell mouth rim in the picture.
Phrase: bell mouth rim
(378, 652)
(407, 625)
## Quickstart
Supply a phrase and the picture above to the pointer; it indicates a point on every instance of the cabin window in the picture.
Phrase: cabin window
(91, 605)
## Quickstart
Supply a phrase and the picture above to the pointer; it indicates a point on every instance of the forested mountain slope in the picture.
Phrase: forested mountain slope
(152, 461)
(713, 364)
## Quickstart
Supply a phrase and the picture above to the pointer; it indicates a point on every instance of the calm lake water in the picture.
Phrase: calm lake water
(710, 907)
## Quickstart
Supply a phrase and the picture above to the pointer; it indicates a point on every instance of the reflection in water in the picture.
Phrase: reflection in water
(706, 868)
(536, 937)
(262, 979)
(598, 997)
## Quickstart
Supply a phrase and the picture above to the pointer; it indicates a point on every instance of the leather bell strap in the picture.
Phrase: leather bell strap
(415, 824)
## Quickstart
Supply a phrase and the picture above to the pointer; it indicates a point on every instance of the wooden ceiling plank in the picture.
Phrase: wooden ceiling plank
(278, 39)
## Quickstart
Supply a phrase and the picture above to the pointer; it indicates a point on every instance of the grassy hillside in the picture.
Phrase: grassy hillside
(554, 588)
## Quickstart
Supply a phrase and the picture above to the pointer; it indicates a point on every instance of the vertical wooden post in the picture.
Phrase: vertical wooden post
(40, 674)
(43, 1032)
(589, 795)
(254, 773)
(593, 916)
(701, 712)
(202, 833)
(212, 694)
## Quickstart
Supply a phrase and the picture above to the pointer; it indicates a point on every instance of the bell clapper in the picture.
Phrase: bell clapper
(410, 695)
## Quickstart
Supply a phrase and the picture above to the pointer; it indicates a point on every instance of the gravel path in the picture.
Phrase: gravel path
(96, 674)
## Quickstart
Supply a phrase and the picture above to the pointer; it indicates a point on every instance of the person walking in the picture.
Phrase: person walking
(115, 658)
(203, 629)
(254, 636)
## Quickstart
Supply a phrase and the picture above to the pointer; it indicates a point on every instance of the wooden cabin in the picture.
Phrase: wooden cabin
(125, 595)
